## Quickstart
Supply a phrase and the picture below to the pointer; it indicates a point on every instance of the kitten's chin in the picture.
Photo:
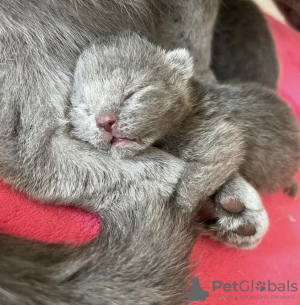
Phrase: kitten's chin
(126, 149)
(123, 143)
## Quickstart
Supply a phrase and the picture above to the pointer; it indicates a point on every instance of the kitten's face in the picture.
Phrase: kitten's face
(129, 94)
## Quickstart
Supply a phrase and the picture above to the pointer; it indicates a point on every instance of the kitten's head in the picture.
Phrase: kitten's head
(128, 93)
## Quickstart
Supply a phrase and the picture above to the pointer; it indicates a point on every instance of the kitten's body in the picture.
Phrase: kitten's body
(268, 130)
(261, 130)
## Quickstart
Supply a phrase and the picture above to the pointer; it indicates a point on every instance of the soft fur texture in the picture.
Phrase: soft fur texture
(40, 44)
(218, 131)
(291, 11)
(129, 78)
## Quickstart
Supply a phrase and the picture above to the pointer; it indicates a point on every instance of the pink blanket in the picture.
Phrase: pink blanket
(275, 261)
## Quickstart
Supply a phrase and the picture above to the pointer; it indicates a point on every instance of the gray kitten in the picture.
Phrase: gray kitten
(129, 94)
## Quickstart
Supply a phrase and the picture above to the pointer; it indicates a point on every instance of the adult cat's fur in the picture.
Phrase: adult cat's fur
(235, 52)
(40, 43)
(140, 257)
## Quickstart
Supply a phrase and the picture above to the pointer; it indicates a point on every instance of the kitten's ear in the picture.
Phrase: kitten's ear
(183, 60)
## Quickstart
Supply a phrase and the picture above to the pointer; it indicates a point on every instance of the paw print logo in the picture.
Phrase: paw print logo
(261, 286)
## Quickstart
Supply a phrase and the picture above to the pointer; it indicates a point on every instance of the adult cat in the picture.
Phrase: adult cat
(142, 224)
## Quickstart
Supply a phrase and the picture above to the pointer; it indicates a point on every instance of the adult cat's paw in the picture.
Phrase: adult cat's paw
(236, 216)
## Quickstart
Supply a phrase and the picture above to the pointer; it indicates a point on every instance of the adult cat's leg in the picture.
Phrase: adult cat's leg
(189, 24)
(242, 47)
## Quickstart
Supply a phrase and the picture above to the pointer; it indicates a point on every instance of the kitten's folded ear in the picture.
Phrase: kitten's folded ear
(183, 61)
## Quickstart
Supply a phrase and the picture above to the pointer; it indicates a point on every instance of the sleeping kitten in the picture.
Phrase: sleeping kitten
(123, 96)
(128, 102)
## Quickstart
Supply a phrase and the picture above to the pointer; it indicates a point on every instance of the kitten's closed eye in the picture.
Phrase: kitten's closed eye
(129, 95)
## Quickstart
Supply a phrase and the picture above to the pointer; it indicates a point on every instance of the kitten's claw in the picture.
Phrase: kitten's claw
(236, 216)
(293, 190)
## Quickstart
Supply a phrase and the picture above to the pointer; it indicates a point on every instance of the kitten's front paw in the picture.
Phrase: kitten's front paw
(236, 216)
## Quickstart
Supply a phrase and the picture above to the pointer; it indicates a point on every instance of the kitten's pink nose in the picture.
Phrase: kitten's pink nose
(106, 121)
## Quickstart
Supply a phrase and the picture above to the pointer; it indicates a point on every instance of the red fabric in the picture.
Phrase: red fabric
(276, 259)
(28, 218)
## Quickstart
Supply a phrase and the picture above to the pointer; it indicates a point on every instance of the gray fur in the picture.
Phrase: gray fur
(249, 63)
(268, 130)
(243, 128)
(141, 255)
(37, 154)
(113, 69)
(192, 27)
(251, 127)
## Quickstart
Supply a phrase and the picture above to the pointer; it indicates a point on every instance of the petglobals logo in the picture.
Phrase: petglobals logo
(247, 291)
(255, 290)
(249, 286)
(194, 292)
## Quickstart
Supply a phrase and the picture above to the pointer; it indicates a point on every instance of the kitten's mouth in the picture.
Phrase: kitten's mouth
(122, 142)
